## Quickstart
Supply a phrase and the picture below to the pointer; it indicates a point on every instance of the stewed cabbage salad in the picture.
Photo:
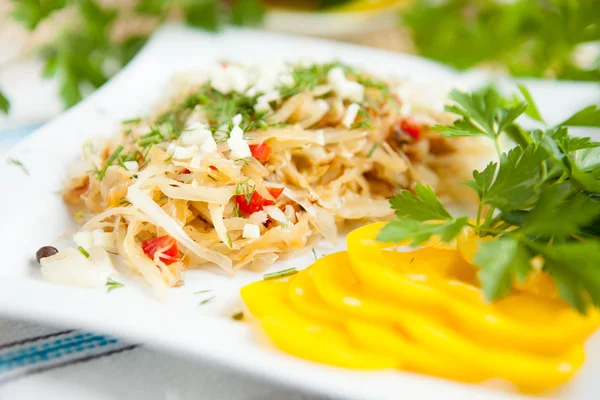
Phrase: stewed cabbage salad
(244, 165)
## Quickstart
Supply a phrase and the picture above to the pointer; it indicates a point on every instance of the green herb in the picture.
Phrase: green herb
(542, 198)
(314, 254)
(589, 116)
(203, 291)
(149, 139)
(109, 161)
(238, 316)
(131, 121)
(19, 164)
(236, 210)
(280, 274)
(361, 125)
(531, 110)
(212, 177)
(247, 12)
(375, 146)
(4, 103)
(83, 251)
(85, 44)
(411, 260)
(112, 285)
(527, 38)
(307, 78)
(189, 177)
(482, 114)
(206, 301)
(144, 164)
(243, 188)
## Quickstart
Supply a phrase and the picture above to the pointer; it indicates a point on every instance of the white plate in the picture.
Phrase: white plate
(32, 215)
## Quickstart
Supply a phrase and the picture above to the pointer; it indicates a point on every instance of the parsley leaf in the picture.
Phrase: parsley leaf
(532, 110)
(202, 14)
(574, 267)
(422, 207)
(86, 43)
(482, 114)
(4, 104)
(524, 37)
(500, 260)
(31, 12)
(247, 12)
(514, 185)
(541, 200)
(419, 231)
(589, 116)
(561, 214)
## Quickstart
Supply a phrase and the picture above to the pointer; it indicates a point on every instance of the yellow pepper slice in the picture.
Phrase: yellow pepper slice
(422, 311)
(340, 290)
(495, 323)
(305, 337)
(386, 340)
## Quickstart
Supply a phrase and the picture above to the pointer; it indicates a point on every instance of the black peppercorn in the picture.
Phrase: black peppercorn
(45, 251)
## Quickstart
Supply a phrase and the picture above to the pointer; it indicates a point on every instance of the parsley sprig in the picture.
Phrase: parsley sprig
(542, 198)
(88, 40)
(524, 37)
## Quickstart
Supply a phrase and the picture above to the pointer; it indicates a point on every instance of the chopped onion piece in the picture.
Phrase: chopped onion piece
(71, 267)
(251, 231)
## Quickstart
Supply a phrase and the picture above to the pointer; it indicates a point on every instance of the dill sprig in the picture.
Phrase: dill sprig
(19, 164)
(112, 285)
(280, 274)
(83, 251)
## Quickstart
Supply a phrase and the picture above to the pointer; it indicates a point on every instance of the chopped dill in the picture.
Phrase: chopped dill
(83, 251)
(206, 301)
(131, 121)
(19, 164)
(281, 274)
(112, 285)
(375, 146)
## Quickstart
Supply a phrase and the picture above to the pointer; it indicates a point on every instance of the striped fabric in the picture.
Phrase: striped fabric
(33, 355)
(35, 352)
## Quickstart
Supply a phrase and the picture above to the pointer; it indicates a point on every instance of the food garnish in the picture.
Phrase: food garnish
(280, 274)
(112, 285)
(19, 164)
(207, 300)
(539, 206)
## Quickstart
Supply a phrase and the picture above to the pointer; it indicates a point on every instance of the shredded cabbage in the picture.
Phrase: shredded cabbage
(203, 198)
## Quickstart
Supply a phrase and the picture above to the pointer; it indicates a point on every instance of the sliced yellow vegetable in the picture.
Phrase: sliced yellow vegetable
(423, 311)
(305, 337)
(462, 302)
